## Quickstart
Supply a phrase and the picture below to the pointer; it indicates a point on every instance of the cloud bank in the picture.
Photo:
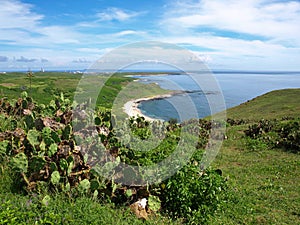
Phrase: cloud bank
(229, 34)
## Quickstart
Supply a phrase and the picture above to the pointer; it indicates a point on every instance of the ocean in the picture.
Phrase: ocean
(204, 99)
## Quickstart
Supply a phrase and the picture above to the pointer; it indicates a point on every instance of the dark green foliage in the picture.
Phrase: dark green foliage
(37, 163)
(140, 127)
(263, 126)
(67, 132)
(289, 136)
(24, 104)
(193, 194)
(29, 121)
(50, 157)
(13, 124)
(277, 134)
(19, 163)
(233, 122)
(4, 147)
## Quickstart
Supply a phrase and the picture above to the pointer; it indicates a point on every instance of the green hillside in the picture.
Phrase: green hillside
(253, 180)
(275, 104)
(263, 174)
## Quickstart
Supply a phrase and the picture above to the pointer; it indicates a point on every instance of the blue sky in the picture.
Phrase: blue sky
(226, 34)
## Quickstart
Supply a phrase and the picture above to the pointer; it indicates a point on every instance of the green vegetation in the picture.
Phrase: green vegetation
(276, 134)
(50, 173)
(273, 105)
(54, 161)
(264, 182)
(48, 84)
(43, 85)
(261, 159)
(57, 209)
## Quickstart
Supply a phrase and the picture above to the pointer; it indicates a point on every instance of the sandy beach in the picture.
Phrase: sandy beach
(132, 110)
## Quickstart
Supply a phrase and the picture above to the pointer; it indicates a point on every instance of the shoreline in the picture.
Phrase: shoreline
(132, 110)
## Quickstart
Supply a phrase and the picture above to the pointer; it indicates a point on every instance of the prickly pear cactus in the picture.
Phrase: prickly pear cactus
(33, 137)
(37, 163)
(29, 121)
(19, 163)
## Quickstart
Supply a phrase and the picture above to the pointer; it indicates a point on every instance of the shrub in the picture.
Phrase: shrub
(193, 195)
(289, 134)
(284, 134)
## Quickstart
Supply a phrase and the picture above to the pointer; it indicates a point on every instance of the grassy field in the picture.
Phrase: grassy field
(48, 84)
(43, 85)
(264, 183)
(273, 105)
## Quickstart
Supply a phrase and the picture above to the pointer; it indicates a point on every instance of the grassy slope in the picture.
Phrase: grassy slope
(275, 104)
(14, 206)
(45, 85)
(265, 182)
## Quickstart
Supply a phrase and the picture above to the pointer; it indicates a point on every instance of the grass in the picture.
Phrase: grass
(60, 210)
(264, 183)
(273, 105)
(17, 208)
(45, 85)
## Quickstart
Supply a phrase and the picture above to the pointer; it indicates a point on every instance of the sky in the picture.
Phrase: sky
(225, 34)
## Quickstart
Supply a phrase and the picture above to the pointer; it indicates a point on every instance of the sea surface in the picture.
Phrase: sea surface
(212, 93)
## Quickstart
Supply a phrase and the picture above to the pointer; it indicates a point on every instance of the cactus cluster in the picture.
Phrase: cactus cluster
(59, 147)
(283, 133)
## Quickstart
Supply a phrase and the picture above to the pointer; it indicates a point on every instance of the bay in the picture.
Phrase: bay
(235, 88)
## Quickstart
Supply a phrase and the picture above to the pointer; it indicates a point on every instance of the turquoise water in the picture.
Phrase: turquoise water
(235, 88)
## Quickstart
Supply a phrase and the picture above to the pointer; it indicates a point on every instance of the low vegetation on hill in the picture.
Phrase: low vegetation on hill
(56, 170)
(277, 104)
(261, 158)
(60, 151)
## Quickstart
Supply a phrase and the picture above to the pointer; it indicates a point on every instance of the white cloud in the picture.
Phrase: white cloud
(126, 32)
(250, 34)
(60, 34)
(230, 32)
(3, 58)
(235, 53)
(275, 20)
(81, 60)
(14, 14)
(111, 14)
(90, 50)
(20, 25)
(23, 59)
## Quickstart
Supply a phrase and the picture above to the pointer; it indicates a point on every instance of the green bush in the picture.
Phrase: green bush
(277, 134)
(289, 134)
(193, 195)
(256, 144)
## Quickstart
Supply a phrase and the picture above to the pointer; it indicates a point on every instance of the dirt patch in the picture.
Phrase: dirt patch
(7, 84)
